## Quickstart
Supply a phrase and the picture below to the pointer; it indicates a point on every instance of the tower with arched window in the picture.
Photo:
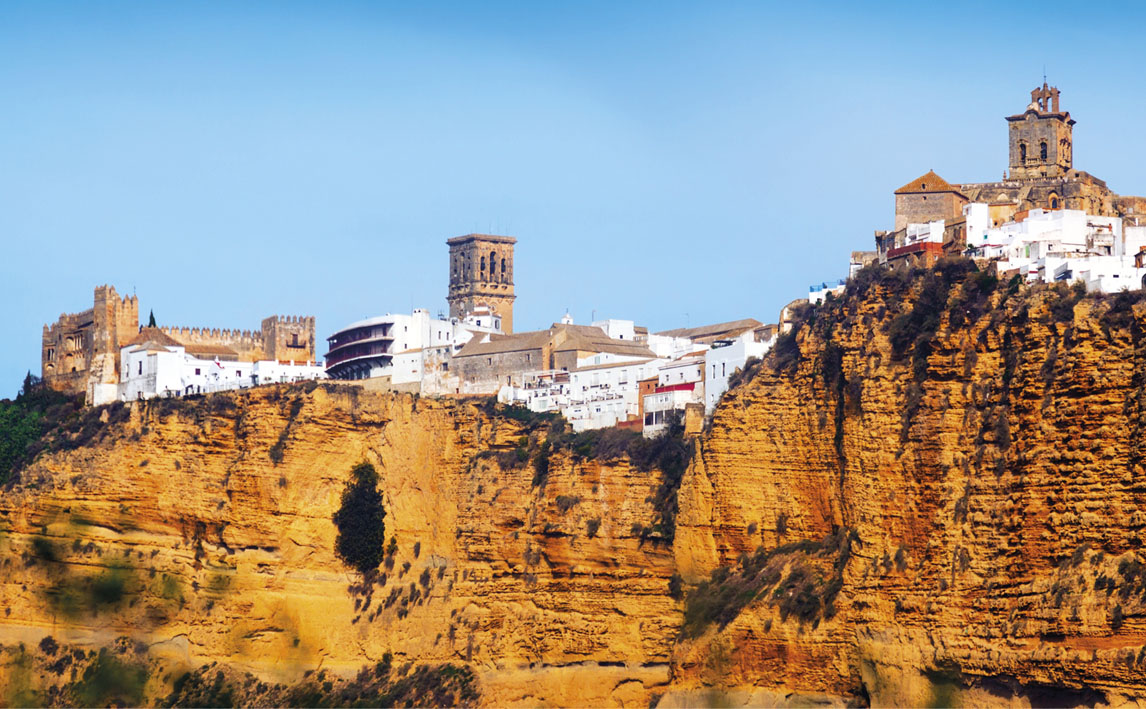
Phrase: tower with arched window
(1041, 138)
(481, 273)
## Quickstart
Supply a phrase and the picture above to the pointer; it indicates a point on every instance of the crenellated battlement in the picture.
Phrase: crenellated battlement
(205, 334)
(75, 341)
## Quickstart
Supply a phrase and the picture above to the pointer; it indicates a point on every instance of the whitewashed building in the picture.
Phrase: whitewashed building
(679, 383)
(404, 347)
(818, 292)
(723, 360)
(154, 364)
(1063, 245)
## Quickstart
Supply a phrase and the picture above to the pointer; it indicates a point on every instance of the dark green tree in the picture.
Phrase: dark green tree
(151, 319)
(361, 532)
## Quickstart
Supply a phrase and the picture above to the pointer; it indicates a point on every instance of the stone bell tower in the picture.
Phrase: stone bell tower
(1041, 138)
(481, 273)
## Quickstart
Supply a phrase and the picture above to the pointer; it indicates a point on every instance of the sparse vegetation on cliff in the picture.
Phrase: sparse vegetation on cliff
(36, 411)
(380, 685)
(361, 531)
(801, 579)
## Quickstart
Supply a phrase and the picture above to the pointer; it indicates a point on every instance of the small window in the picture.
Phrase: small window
(489, 360)
(238, 373)
(196, 371)
(1043, 151)
(140, 367)
(1022, 152)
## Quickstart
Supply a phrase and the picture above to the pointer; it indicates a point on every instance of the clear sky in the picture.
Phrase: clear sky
(674, 164)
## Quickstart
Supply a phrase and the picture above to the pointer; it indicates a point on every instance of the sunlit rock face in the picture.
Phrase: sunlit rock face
(945, 476)
(203, 530)
(929, 494)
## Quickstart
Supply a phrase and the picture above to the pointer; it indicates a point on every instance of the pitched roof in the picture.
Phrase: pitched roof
(577, 337)
(724, 328)
(500, 344)
(588, 338)
(150, 339)
(204, 350)
(927, 184)
(613, 365)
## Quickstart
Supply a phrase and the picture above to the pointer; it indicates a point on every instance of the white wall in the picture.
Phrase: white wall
(721, 361)
(669, 347)
(681, 372)
(172, 372)
(617, 329)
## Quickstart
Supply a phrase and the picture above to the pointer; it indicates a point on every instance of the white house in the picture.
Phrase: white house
(154, 364)
(1062, 245)
(679, 382)
(404, 347)
(818, 292)
(725, 358)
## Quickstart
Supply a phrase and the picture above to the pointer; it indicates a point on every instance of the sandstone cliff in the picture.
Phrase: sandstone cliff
(944, 479)
(202, 531)
(930, 493)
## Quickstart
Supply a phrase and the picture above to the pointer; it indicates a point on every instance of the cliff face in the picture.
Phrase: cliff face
(944, 478)
(176, 528)
(930, 494)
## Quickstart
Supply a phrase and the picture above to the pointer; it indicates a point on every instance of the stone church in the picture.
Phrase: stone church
(1041, 174)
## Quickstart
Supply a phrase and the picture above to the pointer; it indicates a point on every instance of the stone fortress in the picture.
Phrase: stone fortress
(80, 352)
(79, 345)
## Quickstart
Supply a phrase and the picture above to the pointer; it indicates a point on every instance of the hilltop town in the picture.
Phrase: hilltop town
(1045, 221)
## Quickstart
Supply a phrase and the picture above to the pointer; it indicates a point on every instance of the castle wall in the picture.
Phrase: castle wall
(248, 344)
(71, 347)
(281, 338)
(289, 338)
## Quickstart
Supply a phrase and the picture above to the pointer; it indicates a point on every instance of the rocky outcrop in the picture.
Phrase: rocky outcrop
(203, 531)
(931, 492)
(943, 476)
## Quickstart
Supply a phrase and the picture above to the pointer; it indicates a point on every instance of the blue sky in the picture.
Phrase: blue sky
(665, 162)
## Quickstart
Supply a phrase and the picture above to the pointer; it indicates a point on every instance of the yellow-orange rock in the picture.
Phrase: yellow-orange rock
(994, 486)
(226, 557)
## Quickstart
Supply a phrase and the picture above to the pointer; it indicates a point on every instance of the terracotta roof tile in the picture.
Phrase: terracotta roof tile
(927, 184)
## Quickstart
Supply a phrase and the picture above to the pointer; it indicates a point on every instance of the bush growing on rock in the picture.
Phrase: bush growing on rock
(361, 532)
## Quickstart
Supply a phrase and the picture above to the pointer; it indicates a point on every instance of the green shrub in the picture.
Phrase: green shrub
(541, 465)
(745, 373)
(786, 352)
(806, 592)
(361, 532)
(110, 681)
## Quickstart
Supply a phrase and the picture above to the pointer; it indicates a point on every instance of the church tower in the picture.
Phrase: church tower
(1041, 138)
(481, 273)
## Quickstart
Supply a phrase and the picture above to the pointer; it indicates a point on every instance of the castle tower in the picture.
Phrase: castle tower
(1041, 138)
(288, 338)
(481, 273)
